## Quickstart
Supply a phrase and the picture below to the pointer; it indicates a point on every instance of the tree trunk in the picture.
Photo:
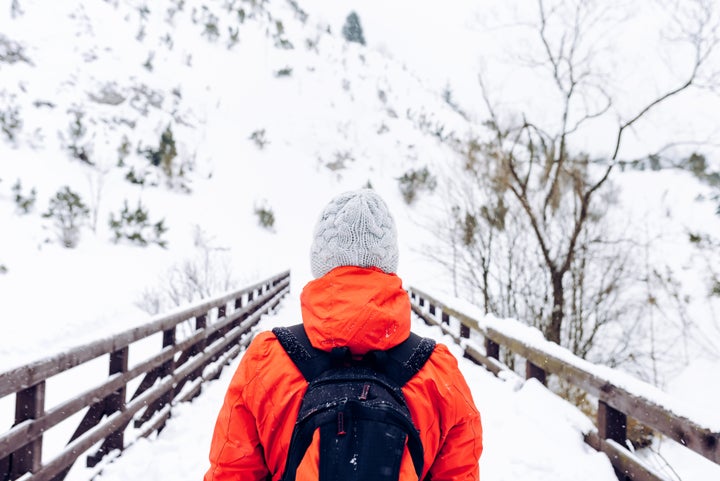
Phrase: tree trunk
(552, 331)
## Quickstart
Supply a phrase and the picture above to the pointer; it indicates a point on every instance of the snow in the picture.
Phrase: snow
(341, 101)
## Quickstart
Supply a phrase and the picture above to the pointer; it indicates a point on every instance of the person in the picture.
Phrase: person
(356, 300)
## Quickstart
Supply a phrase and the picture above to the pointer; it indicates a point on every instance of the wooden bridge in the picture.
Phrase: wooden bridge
(152, 368)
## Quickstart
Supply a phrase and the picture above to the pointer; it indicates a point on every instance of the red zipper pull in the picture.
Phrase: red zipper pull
(365, 391)
(341, 424)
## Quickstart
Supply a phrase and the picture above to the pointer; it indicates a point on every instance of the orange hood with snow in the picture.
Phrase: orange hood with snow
(363, 309)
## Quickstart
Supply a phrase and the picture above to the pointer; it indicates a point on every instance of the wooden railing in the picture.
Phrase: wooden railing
(216, 332)
(615, 402)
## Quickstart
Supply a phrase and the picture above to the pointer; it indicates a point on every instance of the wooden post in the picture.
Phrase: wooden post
(29, 404)
(167, 367)
(200, 324)
(222, 312)
(534, 371)
(612, 424)
(116, 401)
(492, 349)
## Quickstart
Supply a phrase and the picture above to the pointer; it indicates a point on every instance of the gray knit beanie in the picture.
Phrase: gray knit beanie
(355, 229)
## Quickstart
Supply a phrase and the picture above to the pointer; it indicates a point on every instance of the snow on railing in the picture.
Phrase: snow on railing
(618, 394)
(173, 373)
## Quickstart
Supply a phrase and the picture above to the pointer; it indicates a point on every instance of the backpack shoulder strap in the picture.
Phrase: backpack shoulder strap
(310, 361)
(408, 357)
(401, 362)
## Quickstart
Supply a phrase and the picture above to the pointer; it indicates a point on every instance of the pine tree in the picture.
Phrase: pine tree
(352, 30)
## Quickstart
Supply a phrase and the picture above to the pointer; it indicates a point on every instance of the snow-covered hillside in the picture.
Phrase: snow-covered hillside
(256, 124)
(207, 114)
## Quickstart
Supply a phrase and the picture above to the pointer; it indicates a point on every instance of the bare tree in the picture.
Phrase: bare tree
(553, 185)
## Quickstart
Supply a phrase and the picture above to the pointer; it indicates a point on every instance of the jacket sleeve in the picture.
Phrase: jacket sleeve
(235, 451)
(459, 455)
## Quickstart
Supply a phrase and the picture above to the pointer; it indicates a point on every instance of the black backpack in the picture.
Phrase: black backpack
(358, 406)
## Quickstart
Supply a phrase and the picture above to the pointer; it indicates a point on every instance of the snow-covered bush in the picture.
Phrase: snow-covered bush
(135, 226)
(68, 212)
(352, 30)
(77, 132)
(413, 181)
(25, 203)
(266, 216)
(259, 138)
(207, 272)
(10, 122)
(165, 154)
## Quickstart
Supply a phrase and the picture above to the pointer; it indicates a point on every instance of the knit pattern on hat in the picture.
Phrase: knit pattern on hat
(355, 229)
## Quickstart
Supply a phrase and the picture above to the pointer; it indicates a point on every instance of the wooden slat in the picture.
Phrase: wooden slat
(695, 437)
(432, 321)
(232, 328)
(28, 375)
(117, 420)
(626, 464)
(29, 404)
(492, 365)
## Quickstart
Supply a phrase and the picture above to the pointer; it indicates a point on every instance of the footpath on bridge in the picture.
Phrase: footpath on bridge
(528, 432)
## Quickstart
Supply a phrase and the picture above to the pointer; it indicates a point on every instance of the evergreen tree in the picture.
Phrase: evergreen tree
(352, 30)
(68, 212)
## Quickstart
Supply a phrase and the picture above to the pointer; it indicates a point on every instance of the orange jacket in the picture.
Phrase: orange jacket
(363, 309)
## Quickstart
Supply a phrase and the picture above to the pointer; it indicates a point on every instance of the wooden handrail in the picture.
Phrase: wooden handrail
(615, 402)
(173, 374)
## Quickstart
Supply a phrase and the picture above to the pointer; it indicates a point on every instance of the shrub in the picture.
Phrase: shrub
(11, 51)
(259, 138)
(123, 151)
(206, 273)
(67, 211)
(135, 178)
(340, 161)
(233, 37)
(3, 269)
(136, 227)
(24, 203)
(266, 217)
(284, 72)
(10, 122)
(352, 30)
(211, 30)
(77, 131)
(164, 155)
(148, 64)
(413, 181)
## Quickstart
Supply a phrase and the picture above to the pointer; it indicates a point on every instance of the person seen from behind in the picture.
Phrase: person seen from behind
(356, 301)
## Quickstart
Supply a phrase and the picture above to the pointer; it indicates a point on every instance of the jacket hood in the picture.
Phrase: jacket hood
(361, 308)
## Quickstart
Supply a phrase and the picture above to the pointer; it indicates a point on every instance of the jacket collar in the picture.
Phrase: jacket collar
(361, 308)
